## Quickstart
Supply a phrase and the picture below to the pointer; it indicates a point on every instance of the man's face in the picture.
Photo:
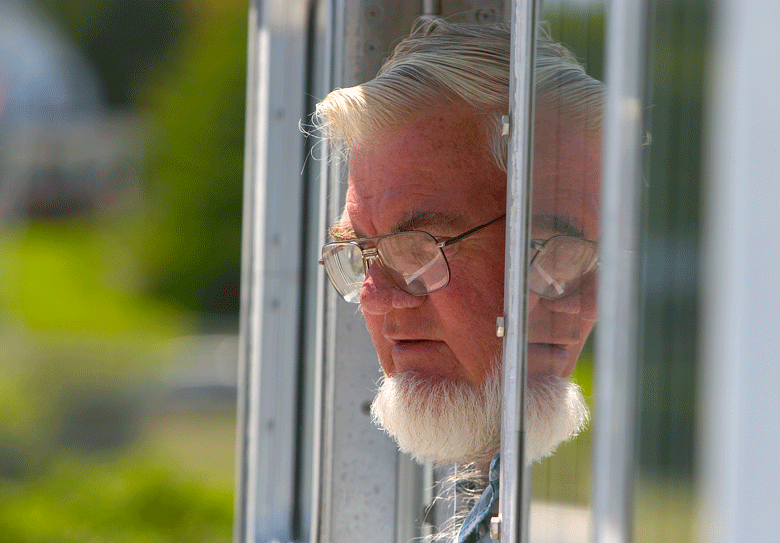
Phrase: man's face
(437, 176)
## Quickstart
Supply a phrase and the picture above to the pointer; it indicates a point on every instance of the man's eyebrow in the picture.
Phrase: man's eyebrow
(418, 220)
(556, 223)
(341, 231)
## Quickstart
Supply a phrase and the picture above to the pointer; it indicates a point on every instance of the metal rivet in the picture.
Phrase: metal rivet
(500, 327)
(495, 528)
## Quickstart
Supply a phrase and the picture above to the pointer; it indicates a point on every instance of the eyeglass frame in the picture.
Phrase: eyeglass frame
(372, 253)
(538, 245)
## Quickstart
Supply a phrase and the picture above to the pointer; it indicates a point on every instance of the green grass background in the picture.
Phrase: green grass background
(81, 350)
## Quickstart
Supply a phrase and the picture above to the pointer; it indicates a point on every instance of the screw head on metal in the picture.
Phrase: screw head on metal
(505, 125)
(495, 528)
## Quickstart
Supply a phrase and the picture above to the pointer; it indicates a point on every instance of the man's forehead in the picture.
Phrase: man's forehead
(567, 156)
(567, 212)
(393, 194)
(567, 174)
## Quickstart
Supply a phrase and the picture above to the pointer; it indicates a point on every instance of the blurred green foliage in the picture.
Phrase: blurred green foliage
(190, 228)
(133, 500)
(182, 66)
(89, 453)
(581, 29)
(124, 41)
(89, 448)
(84, 266)
(77, 340)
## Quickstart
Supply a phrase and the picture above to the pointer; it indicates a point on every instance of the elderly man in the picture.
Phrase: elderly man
(420, 244)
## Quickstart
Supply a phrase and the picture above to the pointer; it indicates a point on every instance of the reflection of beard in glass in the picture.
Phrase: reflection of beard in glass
(450, 421)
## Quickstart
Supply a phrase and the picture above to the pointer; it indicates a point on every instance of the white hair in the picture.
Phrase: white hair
(442, 64)
(440, 420)
(445, 421)
(452, 421)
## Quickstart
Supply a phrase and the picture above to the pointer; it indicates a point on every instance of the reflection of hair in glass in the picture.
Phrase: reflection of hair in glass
(442, 63)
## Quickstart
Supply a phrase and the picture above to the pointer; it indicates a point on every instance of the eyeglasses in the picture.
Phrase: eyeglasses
(560, 266)
(415, 262)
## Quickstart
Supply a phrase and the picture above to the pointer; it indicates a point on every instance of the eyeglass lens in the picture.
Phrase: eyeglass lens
(416, 265)
(411, 260)
(344, 265)
(559, 267)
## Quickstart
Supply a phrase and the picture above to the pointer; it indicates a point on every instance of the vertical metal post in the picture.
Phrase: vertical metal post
(368, 491)
(739, 445)
(431, 7)
(616, 343)
(515, 482)
(267, 500)
(323, 58)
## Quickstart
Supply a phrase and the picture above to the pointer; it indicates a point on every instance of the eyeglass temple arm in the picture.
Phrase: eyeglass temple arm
(469, 232)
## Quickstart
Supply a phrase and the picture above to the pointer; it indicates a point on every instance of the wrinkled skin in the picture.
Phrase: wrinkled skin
(437, 176)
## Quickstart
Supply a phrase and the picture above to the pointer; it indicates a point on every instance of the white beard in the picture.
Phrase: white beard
(449, 421)
(555, 411)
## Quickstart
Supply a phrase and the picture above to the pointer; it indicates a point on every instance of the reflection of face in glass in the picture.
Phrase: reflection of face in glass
(566, 195)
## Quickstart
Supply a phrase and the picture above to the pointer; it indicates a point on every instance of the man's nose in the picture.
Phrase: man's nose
(582, 302)
(570, 304)
(379, 295)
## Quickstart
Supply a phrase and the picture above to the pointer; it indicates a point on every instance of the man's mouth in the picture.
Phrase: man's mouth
(414, 345)
(556, 350)
(412, 342)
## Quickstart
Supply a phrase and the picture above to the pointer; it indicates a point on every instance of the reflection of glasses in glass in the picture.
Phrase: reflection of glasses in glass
(415, 262)
(560, 265)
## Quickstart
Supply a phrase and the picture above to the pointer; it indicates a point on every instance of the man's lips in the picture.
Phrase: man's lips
(414, 345)
(412, 341)
(556, 350)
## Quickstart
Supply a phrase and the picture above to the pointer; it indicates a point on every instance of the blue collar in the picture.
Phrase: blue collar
(477, 522)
